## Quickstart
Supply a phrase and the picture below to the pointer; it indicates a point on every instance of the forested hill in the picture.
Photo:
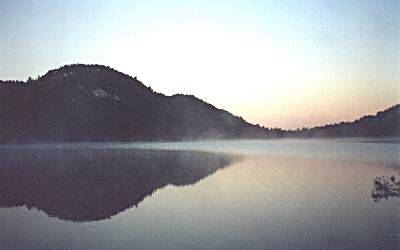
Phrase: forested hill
(94, 103)
(77, 103)
(385, 123)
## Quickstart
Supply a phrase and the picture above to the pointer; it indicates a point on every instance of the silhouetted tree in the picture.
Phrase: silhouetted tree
(385, 187)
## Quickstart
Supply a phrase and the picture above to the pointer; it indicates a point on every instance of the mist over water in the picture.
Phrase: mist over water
(208, 194)
(360, 150)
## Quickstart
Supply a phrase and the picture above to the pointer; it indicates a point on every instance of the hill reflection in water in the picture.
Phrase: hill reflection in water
(80, 185)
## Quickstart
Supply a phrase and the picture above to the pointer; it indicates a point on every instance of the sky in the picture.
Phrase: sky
(277, 63)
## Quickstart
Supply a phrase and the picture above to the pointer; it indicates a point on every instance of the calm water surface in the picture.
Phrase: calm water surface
(273, 194)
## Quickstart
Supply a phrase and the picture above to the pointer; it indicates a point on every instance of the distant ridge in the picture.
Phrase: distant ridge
(93, 103)
(385, 123)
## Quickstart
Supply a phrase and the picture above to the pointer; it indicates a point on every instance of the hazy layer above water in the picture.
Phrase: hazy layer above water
(355, 149)
(358, 150)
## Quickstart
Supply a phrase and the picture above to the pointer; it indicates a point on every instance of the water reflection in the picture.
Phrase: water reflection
(94, 184)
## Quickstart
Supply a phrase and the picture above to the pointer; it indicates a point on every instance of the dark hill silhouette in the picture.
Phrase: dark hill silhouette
(96, 103)
(92, 103)
(384, 124)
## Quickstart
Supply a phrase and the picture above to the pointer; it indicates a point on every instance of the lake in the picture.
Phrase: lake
(245, 194)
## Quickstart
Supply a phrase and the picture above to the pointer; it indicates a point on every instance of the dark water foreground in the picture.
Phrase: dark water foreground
(265, 195)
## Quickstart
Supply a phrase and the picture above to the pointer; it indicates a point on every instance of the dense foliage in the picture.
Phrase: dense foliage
(385, 187)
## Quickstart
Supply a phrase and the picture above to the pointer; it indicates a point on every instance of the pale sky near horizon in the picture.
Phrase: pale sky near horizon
(279, 63)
